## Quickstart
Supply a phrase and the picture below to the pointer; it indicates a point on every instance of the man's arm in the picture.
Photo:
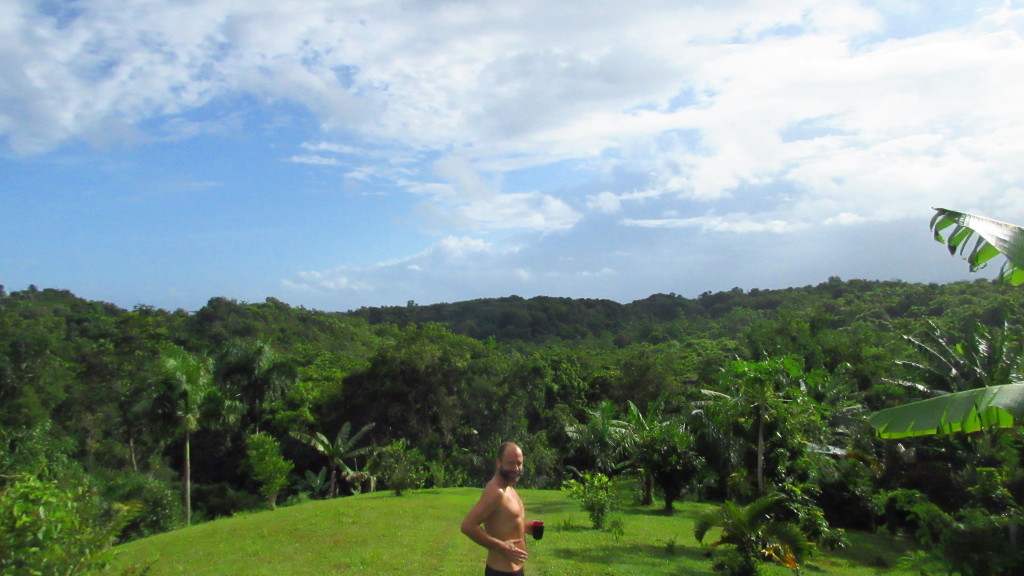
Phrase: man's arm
(471, 524)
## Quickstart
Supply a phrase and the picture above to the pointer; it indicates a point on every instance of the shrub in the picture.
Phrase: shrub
(444, 476)
(978, 543)
(221, 499)
(160, 508)
(400, 466)
(799, 505)
(755, 535)
(595, 495)
(46, 528)
(268, 466)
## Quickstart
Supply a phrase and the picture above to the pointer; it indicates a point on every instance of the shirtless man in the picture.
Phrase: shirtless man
(501, 512)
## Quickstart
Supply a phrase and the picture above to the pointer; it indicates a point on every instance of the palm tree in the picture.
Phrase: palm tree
(762, 393)
(755, 535)
(602, 437)
(188, 378)
(257, 375)
(343, 447)
(838, 400)
(635, 433)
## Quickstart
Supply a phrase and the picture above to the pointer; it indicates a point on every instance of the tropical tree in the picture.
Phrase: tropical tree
(594, 492)
(400, 466)
(255, 375)
(636, 432)
(719, 436)
(268, 466)
(47, 527)
(667, 454)
(755, 535)
(765, 396)
(602, 437)
(343, 447)
(839, 402)
(187, 379)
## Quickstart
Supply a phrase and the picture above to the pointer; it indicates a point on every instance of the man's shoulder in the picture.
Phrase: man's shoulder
(494, 487)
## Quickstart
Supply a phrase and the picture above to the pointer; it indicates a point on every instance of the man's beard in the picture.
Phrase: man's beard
(510, 476)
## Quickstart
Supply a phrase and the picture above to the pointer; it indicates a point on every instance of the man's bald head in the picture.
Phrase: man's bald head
(505, 446)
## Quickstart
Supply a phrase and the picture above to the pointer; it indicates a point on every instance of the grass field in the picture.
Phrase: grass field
(418, 533)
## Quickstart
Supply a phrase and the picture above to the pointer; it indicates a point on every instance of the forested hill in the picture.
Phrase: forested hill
(660, 317)
(545, 320)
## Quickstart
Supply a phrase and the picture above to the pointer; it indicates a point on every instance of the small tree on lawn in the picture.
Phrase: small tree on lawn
(595, 495)
(667, 453)
(269, 467)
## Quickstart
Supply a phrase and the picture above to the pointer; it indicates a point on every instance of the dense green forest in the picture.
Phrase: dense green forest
(125, 423)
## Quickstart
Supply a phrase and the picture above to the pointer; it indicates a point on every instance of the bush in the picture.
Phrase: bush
(400, 466)
(595, 495)
(846, 487)
(978, 543)
(268, 466)
(443, 476)
(49, 529)
(160, 508)
(219, 500)
(799, 505)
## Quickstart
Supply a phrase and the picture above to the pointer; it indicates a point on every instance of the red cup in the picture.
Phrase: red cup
(537, 530)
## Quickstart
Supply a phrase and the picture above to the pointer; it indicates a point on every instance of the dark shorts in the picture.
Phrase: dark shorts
(492, 572)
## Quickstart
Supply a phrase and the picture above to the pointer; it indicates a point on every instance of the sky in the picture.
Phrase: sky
(336, 154)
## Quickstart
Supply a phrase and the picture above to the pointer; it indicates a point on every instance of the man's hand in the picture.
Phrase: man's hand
(514, 553)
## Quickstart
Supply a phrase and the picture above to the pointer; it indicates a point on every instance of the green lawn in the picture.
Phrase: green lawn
(418, 533)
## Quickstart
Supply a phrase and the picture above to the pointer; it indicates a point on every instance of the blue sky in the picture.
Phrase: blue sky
(338, 154)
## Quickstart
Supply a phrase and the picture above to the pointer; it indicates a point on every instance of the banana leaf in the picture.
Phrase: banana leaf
(968, 411)
(992, 239)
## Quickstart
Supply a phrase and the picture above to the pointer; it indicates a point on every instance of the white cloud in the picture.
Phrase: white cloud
(547, 121)
(740, 224)
(466, 198)
(314, 159)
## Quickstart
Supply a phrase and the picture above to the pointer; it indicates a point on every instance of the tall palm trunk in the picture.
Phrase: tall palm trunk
(188, 481)
(131, 452)
(760, 455)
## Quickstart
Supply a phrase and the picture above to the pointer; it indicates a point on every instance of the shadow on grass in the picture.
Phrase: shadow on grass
(635, 555)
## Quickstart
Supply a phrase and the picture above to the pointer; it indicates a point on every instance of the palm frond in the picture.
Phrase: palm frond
(992, 238)
(706, 519)
(788, 542)
(968, 411)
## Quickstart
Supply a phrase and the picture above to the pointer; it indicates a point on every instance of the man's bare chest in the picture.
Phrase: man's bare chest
(512, 504)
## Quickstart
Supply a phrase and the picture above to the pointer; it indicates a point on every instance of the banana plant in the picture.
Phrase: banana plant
(317, 483)
(991, 238)
(343, 447)
(967, 411)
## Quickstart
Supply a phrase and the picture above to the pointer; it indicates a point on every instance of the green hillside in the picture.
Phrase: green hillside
(382, 534)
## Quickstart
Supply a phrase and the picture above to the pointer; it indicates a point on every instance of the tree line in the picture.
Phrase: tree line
(142, 420)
